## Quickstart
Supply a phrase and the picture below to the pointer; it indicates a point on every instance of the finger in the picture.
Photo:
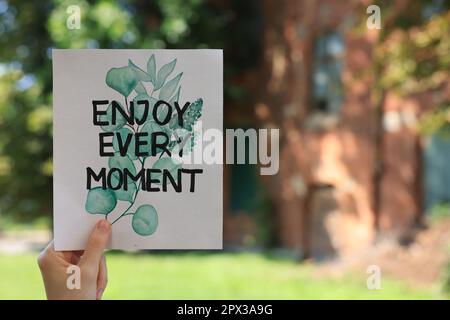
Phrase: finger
(44, 255)
(102, 280)
(76, 256)
(97, 242)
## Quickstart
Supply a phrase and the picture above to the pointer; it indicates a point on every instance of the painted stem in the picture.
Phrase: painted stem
(125, 213)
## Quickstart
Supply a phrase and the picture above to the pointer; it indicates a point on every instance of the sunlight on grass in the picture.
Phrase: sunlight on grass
(205, 276)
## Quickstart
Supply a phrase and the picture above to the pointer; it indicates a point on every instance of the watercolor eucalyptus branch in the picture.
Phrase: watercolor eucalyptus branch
(126, 80)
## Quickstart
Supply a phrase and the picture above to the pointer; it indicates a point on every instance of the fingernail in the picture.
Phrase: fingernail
(99, 294)
(104, 226)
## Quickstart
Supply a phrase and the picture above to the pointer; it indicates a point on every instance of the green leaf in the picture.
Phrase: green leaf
(120, 120)
(163, 73)
(139, 108)
(122, 80)
(119, 162)
(124, 132)
(176, 97)
(145, 220)
(190, 117)
(167, 163)
(100, 201)
(193, 113)
(169, 88)
(140, 89)
(127, 195)
(151, 127)
(151, 68)
(141, 75)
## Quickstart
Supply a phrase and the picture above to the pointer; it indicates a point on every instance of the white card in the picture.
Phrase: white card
(111, 159)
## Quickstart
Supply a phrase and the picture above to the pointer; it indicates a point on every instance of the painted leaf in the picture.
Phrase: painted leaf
(139, 108)
(151, 68)
(140, 89)
(141, 75)
(145, 220)
(127, 195)
(124, 132)
(122, 80)
(163, 73)
(120, 120)
(190, 117)
(100, 201)
(119, 162)
(176, 97)
(151, 127)
(193, 113)
(167, 163)
(169, 88)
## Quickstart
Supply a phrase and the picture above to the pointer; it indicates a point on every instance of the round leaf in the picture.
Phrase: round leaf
(122, 80)
(119, 162)
(100, 201)
(167, 163)
(127, 195)
(145, 220)
(152, 127)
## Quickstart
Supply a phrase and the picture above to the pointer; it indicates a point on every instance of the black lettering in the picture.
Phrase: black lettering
(181, 111)
(146, 110)
(104, 144)
(139, 140)
(97, 113)
(156, 144)
(116, 107)
(118, 176)
(167, 176)
(168, 115)
(91, 175)
(150, 180)
(192, 172)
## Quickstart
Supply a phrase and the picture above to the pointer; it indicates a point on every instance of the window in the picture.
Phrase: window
(327, 93)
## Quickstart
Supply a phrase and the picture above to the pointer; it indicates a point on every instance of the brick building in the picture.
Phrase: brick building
(347, 170)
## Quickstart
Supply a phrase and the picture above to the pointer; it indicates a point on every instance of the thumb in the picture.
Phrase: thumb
(97, 242)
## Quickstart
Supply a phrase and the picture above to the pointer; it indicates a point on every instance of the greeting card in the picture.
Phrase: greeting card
(125, 121)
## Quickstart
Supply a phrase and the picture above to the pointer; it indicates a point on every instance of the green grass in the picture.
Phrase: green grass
(206, 276)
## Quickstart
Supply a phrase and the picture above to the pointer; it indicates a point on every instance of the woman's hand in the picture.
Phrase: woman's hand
(92, 266)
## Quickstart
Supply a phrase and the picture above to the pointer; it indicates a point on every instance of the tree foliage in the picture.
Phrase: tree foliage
(415, 53)
(30, 29)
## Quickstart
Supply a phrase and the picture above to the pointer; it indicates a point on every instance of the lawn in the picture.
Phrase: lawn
(207, 276)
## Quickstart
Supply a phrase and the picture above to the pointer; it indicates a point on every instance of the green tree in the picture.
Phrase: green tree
(417, 45)
(28, 31)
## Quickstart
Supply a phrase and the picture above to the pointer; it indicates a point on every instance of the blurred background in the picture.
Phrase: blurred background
(364, 118)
